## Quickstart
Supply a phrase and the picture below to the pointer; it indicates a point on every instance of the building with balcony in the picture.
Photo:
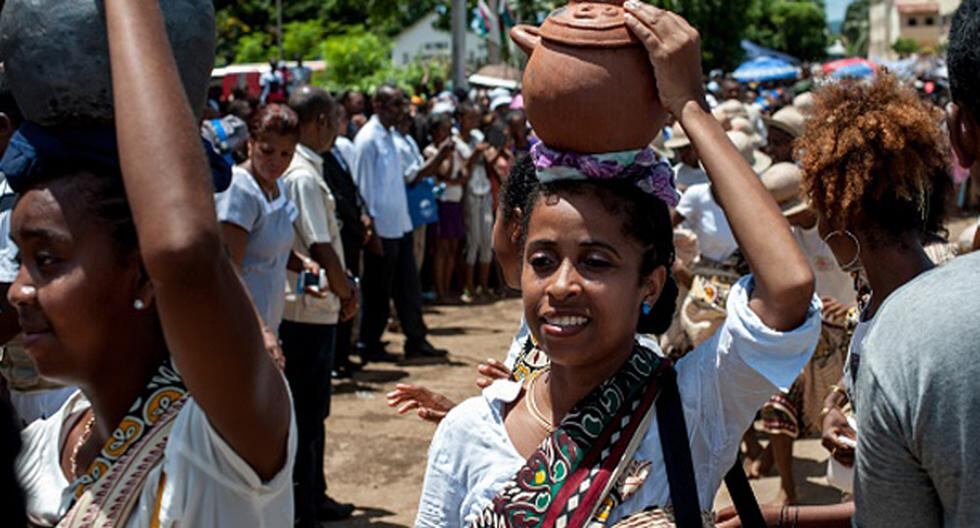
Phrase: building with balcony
(926, 22)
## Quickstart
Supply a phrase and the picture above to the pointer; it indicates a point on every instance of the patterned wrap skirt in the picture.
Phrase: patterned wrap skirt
(797, 413)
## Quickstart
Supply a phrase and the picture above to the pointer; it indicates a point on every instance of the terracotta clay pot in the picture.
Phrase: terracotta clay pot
(589, 86)
(56, 56)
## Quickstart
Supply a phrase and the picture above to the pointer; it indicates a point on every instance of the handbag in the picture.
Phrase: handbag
(422, 207)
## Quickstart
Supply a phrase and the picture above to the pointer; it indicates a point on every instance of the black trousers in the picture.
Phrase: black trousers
(309, 352)
(391, 276)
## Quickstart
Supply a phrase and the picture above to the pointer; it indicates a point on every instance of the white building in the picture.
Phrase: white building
(925, 21)
(423, 41)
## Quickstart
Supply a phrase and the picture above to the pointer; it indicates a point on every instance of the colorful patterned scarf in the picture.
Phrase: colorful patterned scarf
(639, 166)
(163, 395)
(564, 483)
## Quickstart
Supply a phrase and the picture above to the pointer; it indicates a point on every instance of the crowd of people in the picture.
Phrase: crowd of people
(773, 266)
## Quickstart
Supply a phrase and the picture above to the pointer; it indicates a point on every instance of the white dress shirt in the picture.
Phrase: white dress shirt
(707, 220)
(316, 223)
(344, 148)
(379, 176)
(410, 154)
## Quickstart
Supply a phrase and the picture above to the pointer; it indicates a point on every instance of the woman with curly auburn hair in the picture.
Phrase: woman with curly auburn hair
(874, 162)
(876, 171)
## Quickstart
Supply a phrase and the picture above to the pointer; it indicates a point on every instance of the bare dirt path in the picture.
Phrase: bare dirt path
(376, 459)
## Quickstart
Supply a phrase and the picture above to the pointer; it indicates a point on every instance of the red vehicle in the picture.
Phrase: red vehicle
(247, 76)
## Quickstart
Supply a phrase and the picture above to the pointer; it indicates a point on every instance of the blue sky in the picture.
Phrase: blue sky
(836, 9)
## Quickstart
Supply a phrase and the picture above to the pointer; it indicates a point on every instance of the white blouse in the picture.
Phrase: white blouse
(207, 483)
(722, 384)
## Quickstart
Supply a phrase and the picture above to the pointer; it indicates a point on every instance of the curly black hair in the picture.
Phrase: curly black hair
(963, 56)
(645, 219)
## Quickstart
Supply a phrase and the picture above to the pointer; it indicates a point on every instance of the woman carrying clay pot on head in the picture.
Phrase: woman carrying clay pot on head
(582, 441)
(125, 290)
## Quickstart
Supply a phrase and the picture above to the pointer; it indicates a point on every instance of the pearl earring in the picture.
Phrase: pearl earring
(139, 305)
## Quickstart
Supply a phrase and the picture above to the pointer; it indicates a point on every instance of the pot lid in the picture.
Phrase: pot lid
(589, 24)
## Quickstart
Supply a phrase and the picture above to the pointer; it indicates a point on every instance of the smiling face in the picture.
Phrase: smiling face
(581, 280)
(75, 288)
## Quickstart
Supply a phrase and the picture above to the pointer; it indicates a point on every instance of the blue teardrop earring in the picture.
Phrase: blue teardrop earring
(647, 308)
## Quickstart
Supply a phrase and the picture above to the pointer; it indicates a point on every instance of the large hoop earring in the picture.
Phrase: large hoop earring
(852, 265)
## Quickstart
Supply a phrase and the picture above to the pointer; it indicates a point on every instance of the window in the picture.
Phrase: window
(912, 22)
(930, 21)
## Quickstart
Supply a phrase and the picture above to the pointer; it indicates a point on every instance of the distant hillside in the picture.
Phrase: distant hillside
(835, 26)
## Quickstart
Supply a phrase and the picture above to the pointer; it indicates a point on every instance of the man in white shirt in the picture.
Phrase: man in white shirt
(415, 168)
(309, 326)
(393, 275)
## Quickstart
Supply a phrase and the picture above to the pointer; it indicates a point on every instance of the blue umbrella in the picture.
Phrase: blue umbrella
(763, 69)
(754, 51)
(858, 70)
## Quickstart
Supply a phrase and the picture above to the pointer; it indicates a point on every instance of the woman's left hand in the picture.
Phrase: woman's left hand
(675, 53)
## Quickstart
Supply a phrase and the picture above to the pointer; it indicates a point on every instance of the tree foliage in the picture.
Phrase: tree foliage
(302, 39)
(905, 46)
(322, 29)
(354, 58)
(722, 24)
(254, 47)
(797, 28)
(857, 27)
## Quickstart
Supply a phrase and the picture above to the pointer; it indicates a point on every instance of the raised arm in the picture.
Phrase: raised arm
(783, 279)
(207, 318)
(430, 167)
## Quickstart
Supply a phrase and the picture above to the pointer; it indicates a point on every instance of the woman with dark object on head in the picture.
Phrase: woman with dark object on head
(126, 291)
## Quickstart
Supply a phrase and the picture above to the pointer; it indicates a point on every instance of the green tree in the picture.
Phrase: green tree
(722, 24)
(856, 28)
(255, 47)
(354, 59)
(302, 39)
(905, 46)
(797, 28)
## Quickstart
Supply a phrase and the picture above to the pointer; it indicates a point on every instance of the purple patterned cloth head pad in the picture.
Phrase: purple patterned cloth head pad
(639, 166)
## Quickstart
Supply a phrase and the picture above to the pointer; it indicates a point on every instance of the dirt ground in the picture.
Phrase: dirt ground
(376, 459)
